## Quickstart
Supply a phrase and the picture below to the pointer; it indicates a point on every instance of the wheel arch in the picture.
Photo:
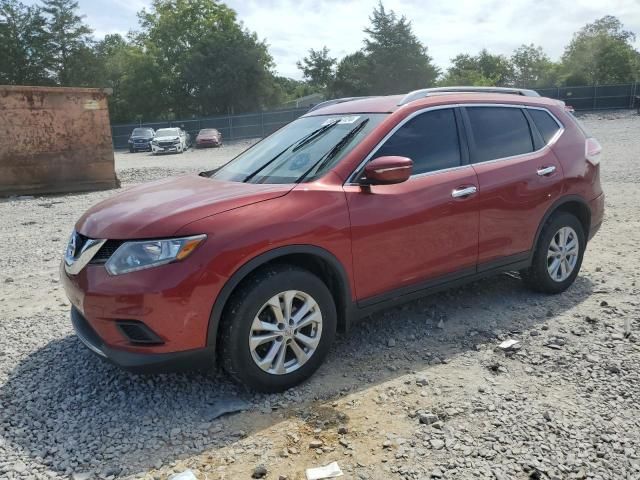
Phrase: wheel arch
(318, 260)
(574, 204)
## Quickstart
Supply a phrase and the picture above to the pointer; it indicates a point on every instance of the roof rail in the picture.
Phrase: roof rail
(335, 101)
(425, 92)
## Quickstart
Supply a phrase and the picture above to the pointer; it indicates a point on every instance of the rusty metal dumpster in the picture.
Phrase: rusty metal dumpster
(54, 140)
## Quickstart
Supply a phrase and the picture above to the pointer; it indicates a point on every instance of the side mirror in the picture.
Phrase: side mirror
(387, 170)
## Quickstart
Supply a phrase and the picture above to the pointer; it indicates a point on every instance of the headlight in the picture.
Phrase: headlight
(140, 255)
(154, 141)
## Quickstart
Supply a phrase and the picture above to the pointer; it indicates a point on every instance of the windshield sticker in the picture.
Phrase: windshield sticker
(342, 120)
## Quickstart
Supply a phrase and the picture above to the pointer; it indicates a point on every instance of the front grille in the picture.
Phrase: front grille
(168, 144)
(105, 252)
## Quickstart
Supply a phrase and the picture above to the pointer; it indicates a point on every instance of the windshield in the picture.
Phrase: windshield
(142, 131)
(167, 132)
(209, 131)
(303, 150)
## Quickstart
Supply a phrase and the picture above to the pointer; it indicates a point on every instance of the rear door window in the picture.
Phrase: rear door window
(430, 140)
(545, 123)
(499, 132)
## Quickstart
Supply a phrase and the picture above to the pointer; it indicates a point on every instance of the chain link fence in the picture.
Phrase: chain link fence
(261, 124)
(232, 127)
(596, 97)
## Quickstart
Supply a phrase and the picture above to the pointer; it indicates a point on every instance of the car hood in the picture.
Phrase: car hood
(161, 208)
(166, 139)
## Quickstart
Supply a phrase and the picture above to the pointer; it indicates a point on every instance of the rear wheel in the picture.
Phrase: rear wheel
(558, 255)
(277, 328)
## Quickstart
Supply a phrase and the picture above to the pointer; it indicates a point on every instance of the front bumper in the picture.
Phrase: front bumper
(140, 145)
(208, 143)
(140, 362)
(166, 149)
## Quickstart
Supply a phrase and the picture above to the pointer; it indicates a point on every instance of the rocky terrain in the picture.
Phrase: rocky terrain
(417, 392)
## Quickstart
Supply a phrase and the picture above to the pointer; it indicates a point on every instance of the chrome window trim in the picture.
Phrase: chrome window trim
(352, 181)
(560, 131)
(544, 147)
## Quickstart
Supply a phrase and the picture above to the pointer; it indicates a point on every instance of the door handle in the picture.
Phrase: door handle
(464, 192)
(544, 171)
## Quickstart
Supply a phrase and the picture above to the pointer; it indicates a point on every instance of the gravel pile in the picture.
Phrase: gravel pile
(416, 392)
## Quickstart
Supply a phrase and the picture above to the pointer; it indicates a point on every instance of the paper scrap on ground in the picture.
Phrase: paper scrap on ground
(507, 344)
(328, 471)
(186, 475)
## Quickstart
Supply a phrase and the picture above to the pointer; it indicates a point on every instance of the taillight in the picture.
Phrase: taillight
(593, 151)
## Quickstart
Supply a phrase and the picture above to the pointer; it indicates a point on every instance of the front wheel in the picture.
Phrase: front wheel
(558, 255)
(277, 328)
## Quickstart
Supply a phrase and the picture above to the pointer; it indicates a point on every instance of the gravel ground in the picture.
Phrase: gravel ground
(415, 392)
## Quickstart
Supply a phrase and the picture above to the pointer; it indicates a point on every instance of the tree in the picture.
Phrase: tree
(532, 67)
(230, 70)
(601, 52)
(70, 42)
(352, 76)
(134, 76)
(206, 56)
(23, 45)
(170, 30)
(482, 69)
(318, 68)
(397, 60)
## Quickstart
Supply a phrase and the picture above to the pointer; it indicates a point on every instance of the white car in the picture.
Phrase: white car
(169, 140)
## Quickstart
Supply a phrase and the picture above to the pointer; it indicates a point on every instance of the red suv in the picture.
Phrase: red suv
(359, 204)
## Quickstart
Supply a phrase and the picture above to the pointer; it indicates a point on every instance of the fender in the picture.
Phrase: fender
(344, 305)
(552, 209)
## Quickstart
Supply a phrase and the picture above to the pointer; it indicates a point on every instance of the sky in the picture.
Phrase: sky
(447, 28)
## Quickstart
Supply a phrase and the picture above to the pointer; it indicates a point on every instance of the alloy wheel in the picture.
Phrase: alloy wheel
(286, 332)
(562, 255)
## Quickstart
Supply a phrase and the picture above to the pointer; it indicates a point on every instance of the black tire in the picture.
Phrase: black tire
(131, 150)
(537, 276)
(246, 302)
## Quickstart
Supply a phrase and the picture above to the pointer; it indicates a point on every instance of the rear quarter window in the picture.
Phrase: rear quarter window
(499, 132)
(545, 123)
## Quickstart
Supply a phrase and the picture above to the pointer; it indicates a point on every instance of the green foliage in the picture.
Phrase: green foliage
(481, 70)
(532, 67)
(69, 42)
(194, 57)
(23, 45)
(397, 60)
(229, 70)
(353, 76)
(599, 53)
(318, 68)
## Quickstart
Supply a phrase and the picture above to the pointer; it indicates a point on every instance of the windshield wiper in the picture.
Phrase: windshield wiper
(297, 145)
(313, 135)
(327, 157)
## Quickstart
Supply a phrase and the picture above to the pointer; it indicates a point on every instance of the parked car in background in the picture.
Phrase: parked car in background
(358, 205)
(140, 139)
(208, 137)
(169, 140)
